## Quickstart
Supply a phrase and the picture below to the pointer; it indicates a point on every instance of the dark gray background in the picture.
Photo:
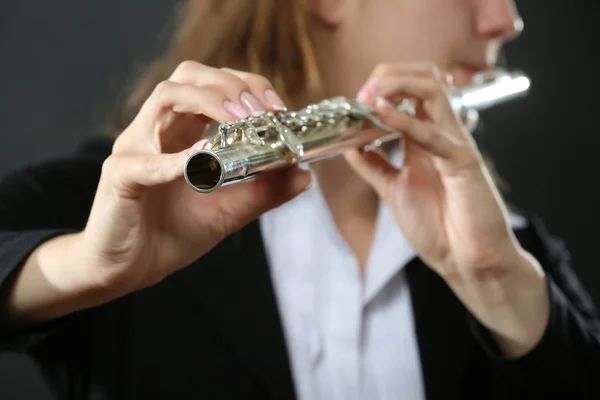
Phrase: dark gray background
(65, 64)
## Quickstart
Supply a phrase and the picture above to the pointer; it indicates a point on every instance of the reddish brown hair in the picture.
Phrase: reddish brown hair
(267, 37)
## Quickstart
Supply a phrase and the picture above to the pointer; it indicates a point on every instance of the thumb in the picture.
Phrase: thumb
(275, 188)
(243, 202)
(374, 167)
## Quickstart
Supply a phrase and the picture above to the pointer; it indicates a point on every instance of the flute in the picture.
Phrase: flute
(272, 140)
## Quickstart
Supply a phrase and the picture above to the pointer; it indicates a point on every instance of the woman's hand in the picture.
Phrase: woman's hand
(448, 207)
(146, 222)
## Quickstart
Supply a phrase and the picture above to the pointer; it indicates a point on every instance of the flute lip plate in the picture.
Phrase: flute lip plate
(204, 171)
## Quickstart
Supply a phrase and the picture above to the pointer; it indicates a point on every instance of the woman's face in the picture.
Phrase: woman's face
(461, 36)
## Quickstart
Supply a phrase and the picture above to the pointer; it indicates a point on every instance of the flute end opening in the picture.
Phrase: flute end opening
(204, 171)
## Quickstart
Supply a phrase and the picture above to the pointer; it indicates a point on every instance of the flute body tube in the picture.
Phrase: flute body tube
(244, 148)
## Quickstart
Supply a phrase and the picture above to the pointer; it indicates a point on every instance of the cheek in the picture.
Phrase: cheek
(436, 28)
(413, 42)
(413, 30)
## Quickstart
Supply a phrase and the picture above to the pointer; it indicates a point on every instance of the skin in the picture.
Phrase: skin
(443, 199)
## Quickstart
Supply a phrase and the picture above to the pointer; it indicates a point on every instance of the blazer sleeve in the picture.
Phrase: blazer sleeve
(38, 203)
(566, 362)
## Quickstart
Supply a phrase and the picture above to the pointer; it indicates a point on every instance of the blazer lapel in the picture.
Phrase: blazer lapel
(233, 285)
(444, 339)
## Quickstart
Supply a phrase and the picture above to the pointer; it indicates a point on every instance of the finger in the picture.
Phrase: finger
(373, 167)
(277, 187)
(181, 98)
(130, 175)
(423, 133)
(421, 69)
(261, 87)
(200, 145)
(170, 98)
(422, 88)
(187, 130)
(235, 89)
(197, 74)
(384, 72)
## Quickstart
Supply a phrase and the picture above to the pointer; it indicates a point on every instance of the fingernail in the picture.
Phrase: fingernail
(299, 179)
(274, 100)
(369, 89)
(236, 110)
(310, 182)
(362, 97)
(383, 106)
(251, 102)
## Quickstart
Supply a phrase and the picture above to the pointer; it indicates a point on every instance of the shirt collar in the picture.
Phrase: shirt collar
(389, 253)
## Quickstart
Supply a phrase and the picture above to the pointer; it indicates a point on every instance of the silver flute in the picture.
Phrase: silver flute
(273, 140)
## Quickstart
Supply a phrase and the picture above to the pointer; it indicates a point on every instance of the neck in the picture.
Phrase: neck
(341, 71)
(352, 203)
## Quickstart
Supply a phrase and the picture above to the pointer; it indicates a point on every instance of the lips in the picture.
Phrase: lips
(463, 73)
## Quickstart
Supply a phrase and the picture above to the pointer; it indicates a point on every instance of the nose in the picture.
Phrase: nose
(499, 19)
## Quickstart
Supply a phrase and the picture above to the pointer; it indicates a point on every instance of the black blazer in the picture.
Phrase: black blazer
(212, 330)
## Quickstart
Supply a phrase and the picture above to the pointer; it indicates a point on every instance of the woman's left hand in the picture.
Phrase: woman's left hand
(448, 207)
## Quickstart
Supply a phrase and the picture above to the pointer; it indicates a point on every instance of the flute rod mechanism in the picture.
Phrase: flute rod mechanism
(244, 148)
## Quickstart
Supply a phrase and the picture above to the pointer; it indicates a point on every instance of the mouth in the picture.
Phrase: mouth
(463, 73)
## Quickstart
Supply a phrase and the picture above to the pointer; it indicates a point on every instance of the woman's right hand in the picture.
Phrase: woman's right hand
(146, 222)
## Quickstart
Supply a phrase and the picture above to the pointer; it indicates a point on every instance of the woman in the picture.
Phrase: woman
(412, 283)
